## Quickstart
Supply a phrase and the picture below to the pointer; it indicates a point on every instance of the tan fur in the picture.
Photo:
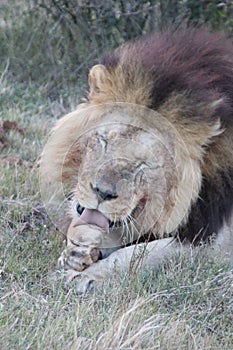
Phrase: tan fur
(150, 256)
(111, 86)
(156, 159)
(64, 155)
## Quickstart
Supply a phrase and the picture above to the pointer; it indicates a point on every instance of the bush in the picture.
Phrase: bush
(54, 42)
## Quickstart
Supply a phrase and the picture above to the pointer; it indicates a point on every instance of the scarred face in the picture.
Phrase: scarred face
(127, 179)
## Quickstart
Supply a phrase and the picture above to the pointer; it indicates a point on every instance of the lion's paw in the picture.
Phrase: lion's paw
(88, 280)
(82, 250)
(82, 282)
(85, 284)
(78, 258)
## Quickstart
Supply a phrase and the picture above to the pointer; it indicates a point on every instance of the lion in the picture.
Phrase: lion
(145, 164)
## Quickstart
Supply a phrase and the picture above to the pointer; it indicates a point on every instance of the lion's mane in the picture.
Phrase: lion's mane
(187, 76)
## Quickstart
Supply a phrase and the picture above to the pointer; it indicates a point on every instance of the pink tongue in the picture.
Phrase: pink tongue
(95, 217)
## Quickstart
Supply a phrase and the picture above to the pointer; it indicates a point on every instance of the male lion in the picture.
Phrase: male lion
(146, 164)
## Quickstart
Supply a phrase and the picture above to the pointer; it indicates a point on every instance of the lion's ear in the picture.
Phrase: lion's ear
(97, 78)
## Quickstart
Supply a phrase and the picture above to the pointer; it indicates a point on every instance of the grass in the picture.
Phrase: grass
(186, 305)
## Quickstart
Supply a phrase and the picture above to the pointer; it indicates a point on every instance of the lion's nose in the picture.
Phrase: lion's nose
(105, 194)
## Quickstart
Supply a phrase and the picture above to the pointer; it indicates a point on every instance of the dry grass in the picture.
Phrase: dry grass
(186, 305)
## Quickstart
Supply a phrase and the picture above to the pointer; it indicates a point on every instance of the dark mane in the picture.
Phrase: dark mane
(213, 207)
(198, 64)
(190, 60)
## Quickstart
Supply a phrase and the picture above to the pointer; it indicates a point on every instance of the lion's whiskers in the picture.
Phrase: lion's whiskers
(133, 222)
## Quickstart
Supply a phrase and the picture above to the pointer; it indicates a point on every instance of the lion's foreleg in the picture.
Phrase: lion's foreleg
(149, 255)
(85, 245)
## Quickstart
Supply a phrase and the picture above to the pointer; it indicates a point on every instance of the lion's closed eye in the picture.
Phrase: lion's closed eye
(76, 244)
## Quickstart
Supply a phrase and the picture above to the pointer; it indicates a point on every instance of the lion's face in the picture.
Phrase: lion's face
(129, 174)
(120, 176)
(126, 164)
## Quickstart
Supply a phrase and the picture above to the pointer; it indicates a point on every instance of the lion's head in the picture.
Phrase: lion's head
(127, 168)
(146, 149)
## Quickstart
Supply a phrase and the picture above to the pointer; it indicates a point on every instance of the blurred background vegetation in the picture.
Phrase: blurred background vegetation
(52, 43)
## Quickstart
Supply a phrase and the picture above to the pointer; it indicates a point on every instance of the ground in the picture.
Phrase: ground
(188, 304)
